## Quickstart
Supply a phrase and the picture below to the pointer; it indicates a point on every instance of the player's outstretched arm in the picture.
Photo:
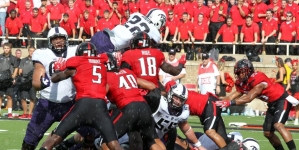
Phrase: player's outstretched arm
(233, 95)
(168, 68)
(56, 77)
(38, 73)
(252, 94)
(189, 133)
(146, 84)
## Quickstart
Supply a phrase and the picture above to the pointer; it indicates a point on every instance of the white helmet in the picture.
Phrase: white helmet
(251, 144)
(57, 32)
(236, 136)
(157, 17)
(180, 91)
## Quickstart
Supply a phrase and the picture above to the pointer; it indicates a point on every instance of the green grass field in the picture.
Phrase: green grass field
(12, 132)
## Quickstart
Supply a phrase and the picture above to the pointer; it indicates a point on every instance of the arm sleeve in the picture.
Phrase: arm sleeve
(73, 62)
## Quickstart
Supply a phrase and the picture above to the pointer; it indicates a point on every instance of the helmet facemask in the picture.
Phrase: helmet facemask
(58, 43)
(177, 96)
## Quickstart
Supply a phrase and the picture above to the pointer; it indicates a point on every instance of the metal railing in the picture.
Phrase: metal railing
(189, 43)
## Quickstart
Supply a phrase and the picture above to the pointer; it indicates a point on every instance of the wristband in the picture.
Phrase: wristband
(198, 144)
(233, 102)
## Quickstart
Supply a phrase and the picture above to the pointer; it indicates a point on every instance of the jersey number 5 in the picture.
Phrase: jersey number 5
(151, 69)
(96, 73)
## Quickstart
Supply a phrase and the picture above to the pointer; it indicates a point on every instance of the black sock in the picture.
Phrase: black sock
(291, 145)
(279, 147)
(70, 142)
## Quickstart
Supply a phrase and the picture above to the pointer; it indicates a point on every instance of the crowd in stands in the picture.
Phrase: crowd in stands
(233, 21)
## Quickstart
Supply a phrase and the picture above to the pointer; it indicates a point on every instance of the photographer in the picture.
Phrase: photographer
(25, 84)
(8, 72)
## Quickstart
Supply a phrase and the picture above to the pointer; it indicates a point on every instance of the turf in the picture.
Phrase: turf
(12, 132)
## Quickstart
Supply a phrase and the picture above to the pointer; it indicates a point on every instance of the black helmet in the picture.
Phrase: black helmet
(243, 66)
(86, 49)
(112, 63)
(140, 40)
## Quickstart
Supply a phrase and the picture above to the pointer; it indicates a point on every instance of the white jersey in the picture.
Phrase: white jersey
(164, 121)
(136, 23)
(63, 91)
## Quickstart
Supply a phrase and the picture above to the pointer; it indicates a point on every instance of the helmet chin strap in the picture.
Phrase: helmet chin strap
(59, 52)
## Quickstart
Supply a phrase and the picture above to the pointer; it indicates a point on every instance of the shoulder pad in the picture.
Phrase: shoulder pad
(186, 107)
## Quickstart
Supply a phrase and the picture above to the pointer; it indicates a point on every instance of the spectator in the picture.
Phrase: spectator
(208, 79)
(269, 29)
(14, 27)
(37, 26)
(293, 87)
(146, 5)
(259, 13)
(21, 6)
(86, 26)
(43, 13)
(73, 12)
(25, 16)
(288, 68)
(238, 14)
(223, 83)
(126, 17)
(165, 77)
(201, 9)
(179, 8)
(275, 6)
(3, 7)
(287, 34)
(43, 3)
(283, 11)
(115, 15)
(200, 30)
(124, 6)
(26, 89)
(184, 28)
(8, 62)
(229, 33)
(293, 7)
(134, 6)
(93, 13)
(16, 98)
(101, 6)
(218, 15)
(171, 30)
(250, 33)
(68, 26)
(281, 73)
(55, 12)
(105, 22)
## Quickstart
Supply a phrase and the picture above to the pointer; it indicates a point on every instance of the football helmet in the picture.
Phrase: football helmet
(251, 144)
(140, 40)
(57, 32)
(86, 49)
(243, 66)
(179, 91)
(112, 63)
(235, 136)
(157, 17)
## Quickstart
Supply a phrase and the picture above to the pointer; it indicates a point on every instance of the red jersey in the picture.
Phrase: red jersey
(105, 23)
(87, 24)
(55, 11)
(260, 8)
(236, 16)
(196, 101)
(249, 32)
(145, 63)
(92, 10)
(286, 30)
(172, 24)
(199, 30)
(269, 26)
(228, 33)
(74, 14)
(37, 23)
(13, 25)
(123, 88)
(26, 15)
(180, 8)
(200, 10)
(216, 17)
(184, 27)
(146, 6)
(271, 93)
(91, 76)
(68, 26)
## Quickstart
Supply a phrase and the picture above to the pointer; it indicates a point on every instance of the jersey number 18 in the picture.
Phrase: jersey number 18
(151, 69)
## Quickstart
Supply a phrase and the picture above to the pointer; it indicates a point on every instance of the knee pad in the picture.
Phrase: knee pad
(26, 146)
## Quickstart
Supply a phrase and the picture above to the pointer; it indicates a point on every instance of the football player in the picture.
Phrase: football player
(258, 85)
(89, 75)
(122, 86)
(146, 62)
(173, 112)
(56, 98)
(118, 38)
(203, 106)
